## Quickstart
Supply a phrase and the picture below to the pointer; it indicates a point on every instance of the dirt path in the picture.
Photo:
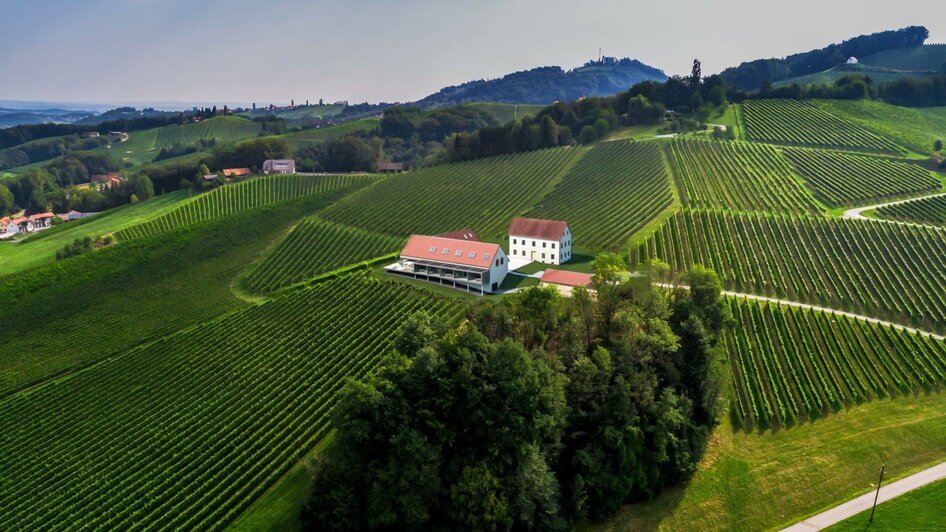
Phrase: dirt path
(855, 214)
(864, 502)
(788, 303)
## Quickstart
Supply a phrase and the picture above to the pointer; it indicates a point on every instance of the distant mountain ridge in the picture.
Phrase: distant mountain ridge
(544, 85)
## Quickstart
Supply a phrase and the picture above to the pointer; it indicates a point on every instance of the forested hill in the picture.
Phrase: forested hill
(752, 74)
(545, 85)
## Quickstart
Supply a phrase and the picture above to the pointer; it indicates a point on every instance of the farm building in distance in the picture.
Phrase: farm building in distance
(279, 166)
(564, 281)
(466, 264)
(103, 181)
(535, 240)
(236, 172)
(390, 167)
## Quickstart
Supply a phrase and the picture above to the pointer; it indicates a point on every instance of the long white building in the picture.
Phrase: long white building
(546, 241)
(469, 265)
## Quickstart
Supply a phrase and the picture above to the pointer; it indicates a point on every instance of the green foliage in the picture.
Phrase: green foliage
(197, 425)
(77, 247)
(322, 134)
(842, 179)
(929, 211)
(228, 200)
(313, 247)
(802, 124)
(737, 175)
(789, 364)
(613, 191)
(483, 195)
(881, 270)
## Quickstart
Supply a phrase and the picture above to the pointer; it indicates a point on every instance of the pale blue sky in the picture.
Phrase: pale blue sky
(383, 50)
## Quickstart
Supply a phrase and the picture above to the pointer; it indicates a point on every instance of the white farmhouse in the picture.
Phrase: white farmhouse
(546, 241)
(279, 166)
(470, 265)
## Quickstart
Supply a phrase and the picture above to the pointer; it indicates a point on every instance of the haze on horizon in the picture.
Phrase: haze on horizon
(271, 51)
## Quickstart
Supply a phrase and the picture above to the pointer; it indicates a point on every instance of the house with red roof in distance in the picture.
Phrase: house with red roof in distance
(21, 224)
(43, 220)
(104, 181)
(565, 281)
(4, 225)
(464, 264)
(535, 240)
(387, 167)
(236, 172)
(279, 166)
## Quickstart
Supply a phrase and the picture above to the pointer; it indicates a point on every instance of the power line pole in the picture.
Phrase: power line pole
(876, 495)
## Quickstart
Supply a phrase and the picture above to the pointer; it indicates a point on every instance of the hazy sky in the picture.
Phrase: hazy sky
(385, 50)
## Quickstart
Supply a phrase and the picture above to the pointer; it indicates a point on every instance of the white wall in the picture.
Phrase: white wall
(533, 248)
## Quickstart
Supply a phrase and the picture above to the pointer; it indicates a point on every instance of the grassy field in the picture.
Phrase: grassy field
(921, 509)
(306, 137)
(482, 195)
(612, 192)
(143, 146)
(41, 249)
(756, 481)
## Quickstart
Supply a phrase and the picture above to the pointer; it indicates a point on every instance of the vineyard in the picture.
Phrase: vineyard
(221, 128)
(790, 364)
(889, 271)
(802, 124)
(738, 175)
(928, 211)
(259, 192)
(507, 112)
(928, 57)
(186, 432)
(315, 247)
(613, 191)
(323, 134)
(845, 180)
(482, 195)
(917, 127)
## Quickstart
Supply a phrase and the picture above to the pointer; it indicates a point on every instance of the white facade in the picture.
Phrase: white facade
(279, 166)
(542, 250)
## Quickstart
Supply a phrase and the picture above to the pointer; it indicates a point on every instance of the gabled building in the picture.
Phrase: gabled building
(103, 181)
(470, 265)
(279, 166)
(565, 281)
(546, 241)
(42, 220)
(236, 172)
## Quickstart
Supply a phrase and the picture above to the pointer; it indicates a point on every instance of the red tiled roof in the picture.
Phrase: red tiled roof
(388, 165)
(566, 278)
(5, 220)
(40, 216)
(535, 228)
(21, 219)
(236, 172)
(462, 234)
(432, 248)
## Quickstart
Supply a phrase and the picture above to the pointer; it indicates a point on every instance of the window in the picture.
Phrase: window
(543, 255)
(533, 243)
(459, 253)
(446, 251)
(502, 260)
(553, 245)
(472, 254)
(497, 262)
(553, 257)
(485, 256)
(433, 249)
(513, 252)
(544, 244)
(513, 240)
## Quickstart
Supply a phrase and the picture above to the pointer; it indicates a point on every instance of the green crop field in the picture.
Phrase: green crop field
(802, 124)
(482, 195)
(507, 112)
(738, 175)
(790, 364)
(251, 194)
(921, 509)
(917, 127)
(928, 57)
(928, 211)
(612, 192)
(844, 180)
(315, 247)
(323, 134)
(301, 113)
(888, 271)
(42, 247)
(143, 146)
(187, 431)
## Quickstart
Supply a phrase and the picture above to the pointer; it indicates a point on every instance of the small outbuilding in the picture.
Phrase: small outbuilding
(565, 281)
(279, 166)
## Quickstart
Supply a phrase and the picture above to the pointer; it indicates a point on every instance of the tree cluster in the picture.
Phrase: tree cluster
(536, 412)
(751, 75)
(346, 154)
(43, 151)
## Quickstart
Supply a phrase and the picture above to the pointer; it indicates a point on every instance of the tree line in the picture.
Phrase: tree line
(535, 412)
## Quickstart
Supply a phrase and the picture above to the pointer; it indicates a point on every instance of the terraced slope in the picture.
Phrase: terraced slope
(315, 247)
(143, 146)
(186, 432)
(844, 180)
(738, 175)
(927, 211)
(611, 193)
(507, 112)
(231, 199)
(927, 57)
(323, 134)
(790, 364)
(889, 271)
(802, 124)
(483, 195)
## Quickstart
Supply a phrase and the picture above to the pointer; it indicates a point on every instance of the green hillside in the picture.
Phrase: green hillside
(303, 138)
(928, 58)
(143, 146)
(506, 112)
(918, 128)
(929, 211)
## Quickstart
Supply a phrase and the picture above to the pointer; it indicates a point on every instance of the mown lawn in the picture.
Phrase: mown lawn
(921, 509)
(770, 480)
